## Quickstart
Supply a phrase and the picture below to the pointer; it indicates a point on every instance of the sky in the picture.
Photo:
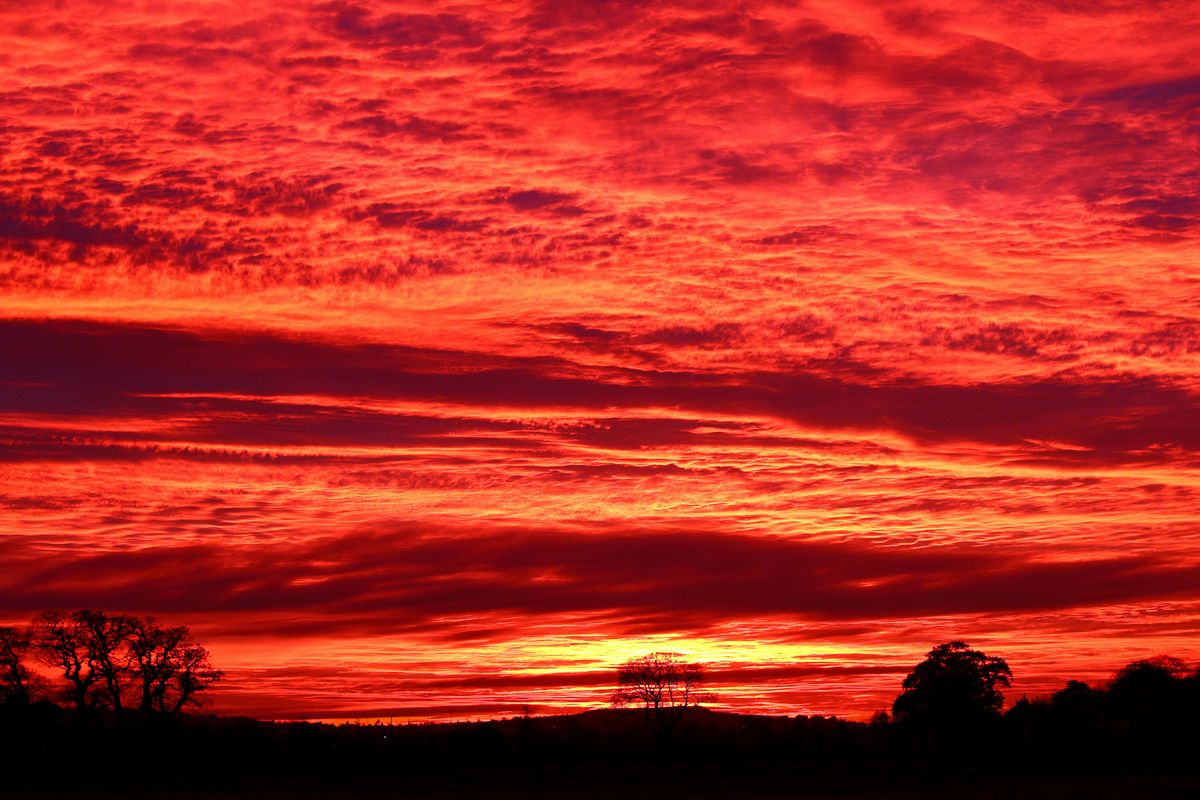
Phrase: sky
(431, 359)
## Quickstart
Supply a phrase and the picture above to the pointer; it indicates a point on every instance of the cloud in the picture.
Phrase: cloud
(357, 24)
(80, 227)
(1184, 91)
(419, 128)
(740, 168)
(721, 333)
(660, 580)
(64, 365)
(532, 200)
(811, 234)
(1014, 340)
(396, 215)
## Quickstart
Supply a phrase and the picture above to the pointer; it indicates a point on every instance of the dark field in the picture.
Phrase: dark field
(775, 781)
(1081, 744)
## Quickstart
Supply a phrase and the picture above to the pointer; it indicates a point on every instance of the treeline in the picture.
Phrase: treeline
(123, 682)
(51, 744)
(1150, 709)
(950, 704)
(113, 667)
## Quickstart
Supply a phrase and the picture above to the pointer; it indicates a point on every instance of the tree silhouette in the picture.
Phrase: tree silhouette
(1157, 674)
(193, 674)
(1146, 695)
(18, 684)
(953, 694)
(62, 642)
(170, 670)
(111, 661)
(663, 685)
(105, 637)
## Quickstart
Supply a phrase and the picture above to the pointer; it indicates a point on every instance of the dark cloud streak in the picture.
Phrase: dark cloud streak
(80, 368)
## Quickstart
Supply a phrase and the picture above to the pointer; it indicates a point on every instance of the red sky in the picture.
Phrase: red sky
(429, 360)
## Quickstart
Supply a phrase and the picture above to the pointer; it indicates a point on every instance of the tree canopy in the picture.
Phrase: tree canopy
(955, 687)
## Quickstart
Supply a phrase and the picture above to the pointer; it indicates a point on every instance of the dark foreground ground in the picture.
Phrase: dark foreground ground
(1035, 751)
(812, 782)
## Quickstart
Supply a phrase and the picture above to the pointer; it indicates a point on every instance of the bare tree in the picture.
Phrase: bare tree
(155, 653)
(18, 684)
(171, 670)
(194, 674)
(61, 642)
(118, 662)
(106, 638)
(663, 685)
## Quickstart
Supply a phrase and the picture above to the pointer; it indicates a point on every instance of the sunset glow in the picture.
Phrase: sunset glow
(430, 360)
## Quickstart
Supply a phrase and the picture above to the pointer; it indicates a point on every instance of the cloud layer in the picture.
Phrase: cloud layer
(449, 354)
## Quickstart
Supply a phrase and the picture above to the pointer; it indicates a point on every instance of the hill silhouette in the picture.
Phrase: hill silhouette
(600, 753)
(950, 735)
